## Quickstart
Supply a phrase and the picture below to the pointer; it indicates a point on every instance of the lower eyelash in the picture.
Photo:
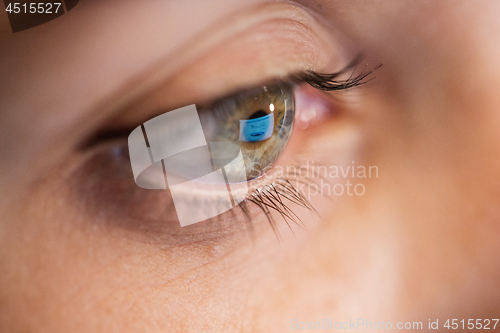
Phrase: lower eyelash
(275, 196)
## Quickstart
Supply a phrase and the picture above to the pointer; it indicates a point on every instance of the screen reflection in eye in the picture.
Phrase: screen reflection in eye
(259, 121)
(258, 127)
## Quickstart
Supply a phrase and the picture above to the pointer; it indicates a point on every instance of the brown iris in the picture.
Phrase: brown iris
(223, 121)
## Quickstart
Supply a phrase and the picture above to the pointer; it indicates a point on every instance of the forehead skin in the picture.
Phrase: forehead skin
(422, 244)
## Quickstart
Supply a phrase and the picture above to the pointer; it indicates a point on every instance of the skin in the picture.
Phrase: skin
(420, 244)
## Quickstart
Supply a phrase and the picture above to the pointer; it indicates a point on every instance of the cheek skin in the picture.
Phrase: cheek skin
(77, 275)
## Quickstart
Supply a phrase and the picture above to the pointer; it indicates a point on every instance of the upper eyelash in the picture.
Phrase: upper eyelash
(328, 82)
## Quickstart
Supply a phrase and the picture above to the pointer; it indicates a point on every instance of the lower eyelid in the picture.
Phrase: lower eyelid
(103, 190)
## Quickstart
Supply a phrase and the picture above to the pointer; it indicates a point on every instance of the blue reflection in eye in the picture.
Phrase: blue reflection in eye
(257, 128)
(259, 121)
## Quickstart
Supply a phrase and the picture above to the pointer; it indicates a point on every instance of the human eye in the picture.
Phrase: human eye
(277, 50)
(196, 154)
(272, 105)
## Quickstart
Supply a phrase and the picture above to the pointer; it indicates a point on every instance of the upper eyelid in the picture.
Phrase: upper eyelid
(349, 76)
(109, 134)
(320, 81)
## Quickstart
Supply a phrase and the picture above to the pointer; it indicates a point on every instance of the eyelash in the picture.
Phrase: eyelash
(328, 82)
(276, 194)
(269, 197)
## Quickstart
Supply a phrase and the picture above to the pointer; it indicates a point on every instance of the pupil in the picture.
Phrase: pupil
(257, 114)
